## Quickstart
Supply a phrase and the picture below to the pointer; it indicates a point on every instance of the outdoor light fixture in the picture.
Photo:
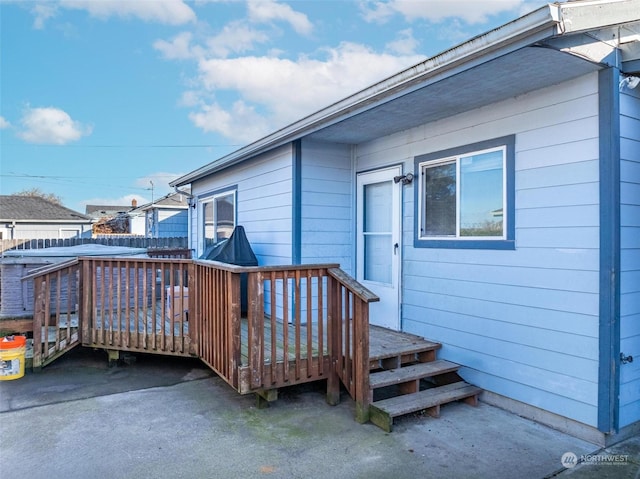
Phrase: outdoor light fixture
(406, 179)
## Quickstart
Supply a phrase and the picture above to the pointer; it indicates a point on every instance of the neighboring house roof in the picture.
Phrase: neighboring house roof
(35, 209)
(169, 201)
(551, 45)
(101, 211)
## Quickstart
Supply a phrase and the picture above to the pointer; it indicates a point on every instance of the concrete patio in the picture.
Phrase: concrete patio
(171, 417)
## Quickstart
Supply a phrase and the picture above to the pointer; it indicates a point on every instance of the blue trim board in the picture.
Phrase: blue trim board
(296, 227)
(609, 314)
(507, 244)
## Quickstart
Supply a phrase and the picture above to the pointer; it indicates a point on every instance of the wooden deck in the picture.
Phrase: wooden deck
(294, 325)
(302, 323)
(152, 321)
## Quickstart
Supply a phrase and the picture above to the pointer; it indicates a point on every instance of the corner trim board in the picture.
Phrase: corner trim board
(609, 311)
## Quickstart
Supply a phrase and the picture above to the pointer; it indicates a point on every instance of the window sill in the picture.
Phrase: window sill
(465, 244)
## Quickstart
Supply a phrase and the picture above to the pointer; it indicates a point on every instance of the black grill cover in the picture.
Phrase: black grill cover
(234, 250)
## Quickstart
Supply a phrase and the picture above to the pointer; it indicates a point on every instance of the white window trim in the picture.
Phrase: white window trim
(211, 199)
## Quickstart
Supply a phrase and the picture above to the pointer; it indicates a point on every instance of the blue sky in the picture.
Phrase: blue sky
(100, 99)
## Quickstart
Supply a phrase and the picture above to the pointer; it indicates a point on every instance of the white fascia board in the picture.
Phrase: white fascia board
(615, 46)
(631, 57)
(582, 16)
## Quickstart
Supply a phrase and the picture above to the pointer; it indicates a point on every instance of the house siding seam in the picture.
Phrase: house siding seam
(524, 323)
(630, 255)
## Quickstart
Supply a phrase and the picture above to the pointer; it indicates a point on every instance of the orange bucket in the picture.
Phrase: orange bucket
(12, 351)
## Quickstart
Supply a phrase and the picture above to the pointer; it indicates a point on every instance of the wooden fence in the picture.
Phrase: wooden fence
(115, 240)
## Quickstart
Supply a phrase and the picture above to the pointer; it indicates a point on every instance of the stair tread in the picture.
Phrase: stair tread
(412, 372)
(408, 403)
(390, 350)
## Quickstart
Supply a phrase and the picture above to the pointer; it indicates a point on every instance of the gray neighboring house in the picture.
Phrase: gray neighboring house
(167, 217)
(27, 217)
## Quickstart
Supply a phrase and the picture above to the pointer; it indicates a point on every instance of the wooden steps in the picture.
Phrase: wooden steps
(406, 377)
(381, 413)
(410, 373)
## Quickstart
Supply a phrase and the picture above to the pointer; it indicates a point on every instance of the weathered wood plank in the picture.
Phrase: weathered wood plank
(400, 405)
(409, 373)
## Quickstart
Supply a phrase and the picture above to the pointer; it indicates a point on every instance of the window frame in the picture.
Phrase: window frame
(210, 198)
(504, 242)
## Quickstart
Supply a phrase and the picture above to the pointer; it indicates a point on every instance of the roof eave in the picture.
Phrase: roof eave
(544, 23)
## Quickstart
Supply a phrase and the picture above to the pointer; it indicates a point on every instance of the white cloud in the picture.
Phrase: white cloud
(240, 122)
(235, 37)
(43, 12)
(51, 125)
(470, 11)
(278, 91)
(4, 123)
(179, 47)
(405, 44)
(170, 12)
(265, 11)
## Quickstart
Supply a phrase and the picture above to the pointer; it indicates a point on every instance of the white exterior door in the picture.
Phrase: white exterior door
(379, 242)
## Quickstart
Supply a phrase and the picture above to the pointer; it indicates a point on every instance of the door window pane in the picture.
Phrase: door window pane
(218, 219)
(377, 258)
(377, 225)
(224, 217)
(209, 230)
(377, 207)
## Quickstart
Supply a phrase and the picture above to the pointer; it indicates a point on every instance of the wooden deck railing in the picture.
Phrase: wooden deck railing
(349, 322)
(56, 306)
(259, 328)
(264, 327)
(137, 305)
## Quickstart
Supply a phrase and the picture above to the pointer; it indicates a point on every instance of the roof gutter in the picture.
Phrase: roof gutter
(538, 25)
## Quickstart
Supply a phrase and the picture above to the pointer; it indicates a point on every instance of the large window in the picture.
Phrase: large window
(218, 218)
(465, 197)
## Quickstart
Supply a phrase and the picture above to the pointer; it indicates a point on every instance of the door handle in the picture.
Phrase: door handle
(395, 248)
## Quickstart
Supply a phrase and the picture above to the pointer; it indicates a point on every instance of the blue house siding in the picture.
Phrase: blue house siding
(524, 322)
(630, 255)
(263, 203)
(327, 204)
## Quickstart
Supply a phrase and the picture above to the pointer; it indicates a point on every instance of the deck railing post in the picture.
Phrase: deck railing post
(234, 300)
(86, 300)
(194, 310)
(38, 321)
(361, 359)
(79, 279)
(333, 330)
(255, 319)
